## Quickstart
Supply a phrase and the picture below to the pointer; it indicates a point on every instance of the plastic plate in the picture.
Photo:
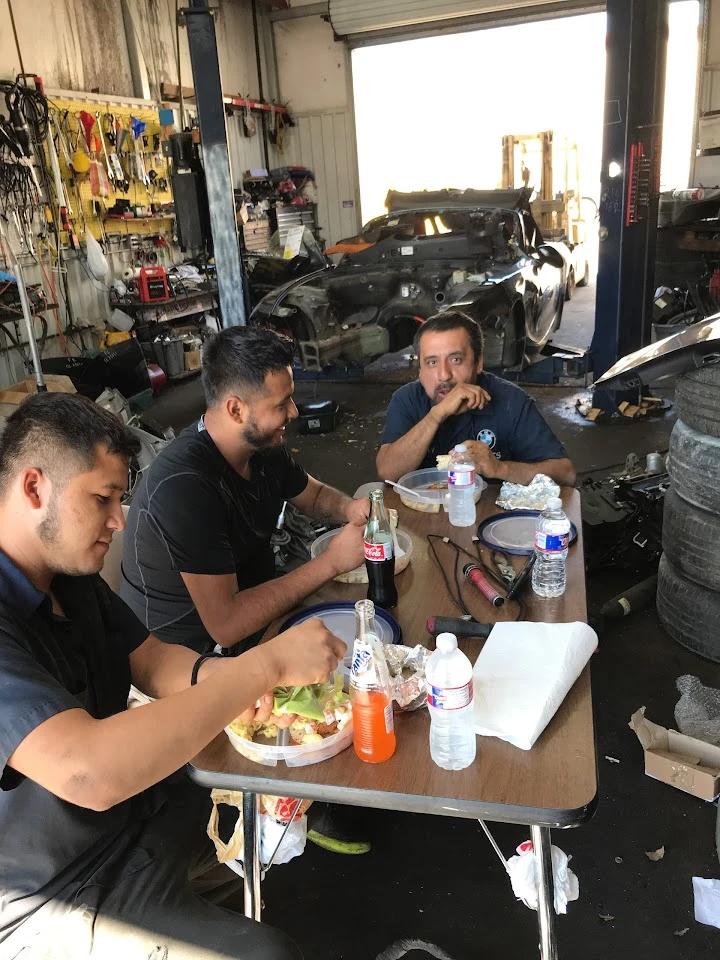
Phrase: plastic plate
(514, 531)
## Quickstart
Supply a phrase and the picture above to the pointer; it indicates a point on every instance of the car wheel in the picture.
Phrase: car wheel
(689, 612)
(693, 466)
(570, 285)
(691, 540)
(586, 276)
(697, 400)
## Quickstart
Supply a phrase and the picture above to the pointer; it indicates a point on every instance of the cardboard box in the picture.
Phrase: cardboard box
(192, 360)
(683, 762)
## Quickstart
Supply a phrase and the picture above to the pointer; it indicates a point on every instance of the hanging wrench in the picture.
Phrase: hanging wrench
(111, 172)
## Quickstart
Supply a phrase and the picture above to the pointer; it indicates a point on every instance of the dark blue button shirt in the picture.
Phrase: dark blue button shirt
(511, 424)
(48, 664)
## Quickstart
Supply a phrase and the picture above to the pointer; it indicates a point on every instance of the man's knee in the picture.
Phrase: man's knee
(279, 946)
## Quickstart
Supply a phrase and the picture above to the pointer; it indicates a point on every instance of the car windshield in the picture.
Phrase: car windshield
(415, 224)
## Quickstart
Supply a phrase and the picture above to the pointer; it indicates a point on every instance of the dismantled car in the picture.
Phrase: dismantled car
(473, 250)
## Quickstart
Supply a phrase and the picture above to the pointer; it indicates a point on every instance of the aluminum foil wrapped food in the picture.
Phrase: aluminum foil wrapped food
(407, 675)
(534, 496)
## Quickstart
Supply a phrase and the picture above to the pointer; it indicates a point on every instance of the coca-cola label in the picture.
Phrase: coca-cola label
(551, 543)
(378, 551)
(450, 698)
(461, 478)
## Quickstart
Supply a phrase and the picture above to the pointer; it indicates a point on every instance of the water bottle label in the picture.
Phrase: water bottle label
(389, 721)
(450, 698)
(378, 551)
(552, 543)
(461, 478)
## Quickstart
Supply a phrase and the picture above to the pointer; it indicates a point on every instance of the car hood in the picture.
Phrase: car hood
(396, 201)
(695, 347)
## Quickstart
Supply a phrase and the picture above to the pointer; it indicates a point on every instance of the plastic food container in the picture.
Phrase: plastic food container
(294, 755)
(359, 574)
(430, 501)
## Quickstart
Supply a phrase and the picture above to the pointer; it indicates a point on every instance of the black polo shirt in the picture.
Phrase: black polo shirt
(194, 513)
(511, 424)
(49, 848)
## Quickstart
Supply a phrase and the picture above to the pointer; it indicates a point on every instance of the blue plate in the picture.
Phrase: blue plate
(339, 618)
(513, 531)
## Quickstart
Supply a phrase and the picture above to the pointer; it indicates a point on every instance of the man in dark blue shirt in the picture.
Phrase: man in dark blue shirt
(453, 401)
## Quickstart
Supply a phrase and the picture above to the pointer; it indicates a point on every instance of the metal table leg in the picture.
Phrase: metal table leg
(546, 892)
(252, 867)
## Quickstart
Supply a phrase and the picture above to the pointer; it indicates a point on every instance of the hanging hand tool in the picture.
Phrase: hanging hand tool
(110, 171)
(88, 122)
(459, 626)
(117, 174)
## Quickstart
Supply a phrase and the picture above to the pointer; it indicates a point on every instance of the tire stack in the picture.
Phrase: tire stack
(688, 597)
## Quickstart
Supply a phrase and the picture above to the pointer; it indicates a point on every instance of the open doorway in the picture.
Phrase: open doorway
(432, 112)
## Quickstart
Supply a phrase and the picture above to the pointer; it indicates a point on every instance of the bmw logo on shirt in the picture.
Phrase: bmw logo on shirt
(488, 437)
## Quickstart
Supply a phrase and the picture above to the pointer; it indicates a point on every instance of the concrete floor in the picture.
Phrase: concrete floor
(437, 879)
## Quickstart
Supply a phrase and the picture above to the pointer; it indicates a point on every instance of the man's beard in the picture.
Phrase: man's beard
(447, 387)
(260, 439)
(49, 534)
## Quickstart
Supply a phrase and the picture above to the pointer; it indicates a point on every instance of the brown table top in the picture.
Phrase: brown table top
(554, 784)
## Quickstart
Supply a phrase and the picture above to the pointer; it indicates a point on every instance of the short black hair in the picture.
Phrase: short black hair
(56, 431)
(452, 320)
(239, 358)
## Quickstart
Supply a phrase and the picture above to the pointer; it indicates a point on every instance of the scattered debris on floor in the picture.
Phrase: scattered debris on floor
(707, 901)
(645, 407)
(681, 933)
(607, 917)
(612, 759)
(655, 855)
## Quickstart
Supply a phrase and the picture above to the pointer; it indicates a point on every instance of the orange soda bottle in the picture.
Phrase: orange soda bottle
(373, 728)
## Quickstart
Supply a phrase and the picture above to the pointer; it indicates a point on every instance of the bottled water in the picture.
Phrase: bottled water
(461, 487)
(552, 535)
(450, 704)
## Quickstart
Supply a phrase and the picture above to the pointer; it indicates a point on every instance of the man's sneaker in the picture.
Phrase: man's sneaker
(339, 829)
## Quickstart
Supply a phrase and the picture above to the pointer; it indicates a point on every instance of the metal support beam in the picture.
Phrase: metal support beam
(216, 162)
(637, 32)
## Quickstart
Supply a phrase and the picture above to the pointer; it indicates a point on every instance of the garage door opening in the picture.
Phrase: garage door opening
(432, 112)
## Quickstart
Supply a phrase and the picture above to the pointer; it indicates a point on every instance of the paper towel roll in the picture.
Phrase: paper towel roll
(523, 674)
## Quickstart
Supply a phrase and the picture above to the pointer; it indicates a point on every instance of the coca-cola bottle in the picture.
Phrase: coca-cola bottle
(379, 554)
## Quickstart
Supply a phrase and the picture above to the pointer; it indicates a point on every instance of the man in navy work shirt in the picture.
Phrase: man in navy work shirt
(453, 401)
(103, 844)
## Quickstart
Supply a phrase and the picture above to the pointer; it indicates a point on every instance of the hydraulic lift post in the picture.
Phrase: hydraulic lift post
(637, 33)
(202, 42)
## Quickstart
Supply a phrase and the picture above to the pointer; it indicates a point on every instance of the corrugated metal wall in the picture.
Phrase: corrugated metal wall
(324, 142)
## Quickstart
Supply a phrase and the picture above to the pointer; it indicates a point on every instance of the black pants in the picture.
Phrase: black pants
(160, 902)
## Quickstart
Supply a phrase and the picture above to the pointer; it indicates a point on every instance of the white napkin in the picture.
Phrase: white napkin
(524, 673)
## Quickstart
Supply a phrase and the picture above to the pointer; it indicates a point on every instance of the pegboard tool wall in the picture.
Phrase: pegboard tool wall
(79, 186)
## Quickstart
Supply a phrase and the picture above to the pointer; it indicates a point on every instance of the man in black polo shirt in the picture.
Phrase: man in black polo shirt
(453, 401)
(198, 566)
(100, 837)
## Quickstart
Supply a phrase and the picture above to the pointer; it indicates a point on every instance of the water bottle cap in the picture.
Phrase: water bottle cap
(460, 448)
(446, 642)
(554, 503)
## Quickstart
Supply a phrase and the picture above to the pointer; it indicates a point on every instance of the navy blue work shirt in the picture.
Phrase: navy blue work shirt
(511, 424)
(49, 848)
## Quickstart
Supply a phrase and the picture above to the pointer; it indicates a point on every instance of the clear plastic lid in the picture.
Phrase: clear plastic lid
(446, 642)
(460, 448)
(553, 503)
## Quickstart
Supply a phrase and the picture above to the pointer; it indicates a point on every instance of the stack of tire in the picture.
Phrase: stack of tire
(688, 597)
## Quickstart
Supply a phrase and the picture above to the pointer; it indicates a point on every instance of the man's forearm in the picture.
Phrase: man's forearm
(252, 609)
(559, 470)
(330, 505)
(125, 754)
(396, 459)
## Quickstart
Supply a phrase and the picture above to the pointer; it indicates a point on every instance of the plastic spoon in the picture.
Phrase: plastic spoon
(406, 490)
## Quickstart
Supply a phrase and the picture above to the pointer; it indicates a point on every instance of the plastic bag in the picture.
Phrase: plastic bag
(96, 261)
(270, 827)
(697, 712)
(523, 876)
